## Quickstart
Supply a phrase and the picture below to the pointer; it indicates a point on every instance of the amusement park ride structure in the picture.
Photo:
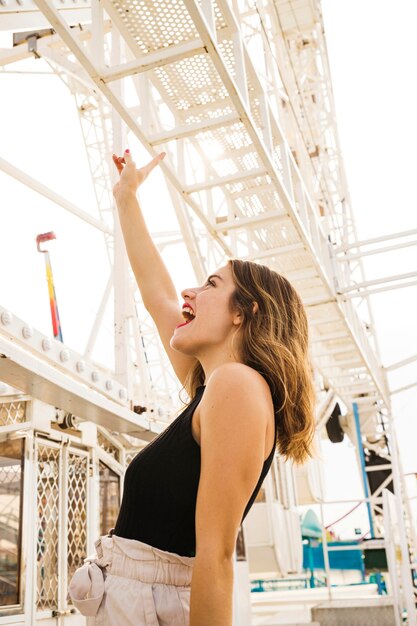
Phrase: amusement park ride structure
(238, 94)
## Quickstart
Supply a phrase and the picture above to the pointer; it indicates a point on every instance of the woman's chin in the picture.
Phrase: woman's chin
(179, 344)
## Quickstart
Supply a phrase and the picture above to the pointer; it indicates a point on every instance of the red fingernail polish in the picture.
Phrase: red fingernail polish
(128, 151)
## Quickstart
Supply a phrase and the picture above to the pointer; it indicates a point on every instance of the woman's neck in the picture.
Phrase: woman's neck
(210, 362)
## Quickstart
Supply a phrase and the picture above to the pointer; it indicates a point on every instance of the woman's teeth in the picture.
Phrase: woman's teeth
(188, 314)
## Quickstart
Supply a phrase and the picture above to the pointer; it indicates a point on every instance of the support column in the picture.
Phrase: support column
(363, 468)
(405, 567)
(121, 268)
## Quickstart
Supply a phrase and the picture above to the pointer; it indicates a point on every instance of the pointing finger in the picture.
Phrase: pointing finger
(159, 158)
(150, 166)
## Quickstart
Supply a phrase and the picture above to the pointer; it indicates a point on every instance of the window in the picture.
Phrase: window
(11, 491)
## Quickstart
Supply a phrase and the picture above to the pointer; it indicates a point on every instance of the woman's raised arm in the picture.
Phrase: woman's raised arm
(155, 284)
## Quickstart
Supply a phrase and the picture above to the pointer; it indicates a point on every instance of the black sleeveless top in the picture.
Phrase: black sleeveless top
(160, 488)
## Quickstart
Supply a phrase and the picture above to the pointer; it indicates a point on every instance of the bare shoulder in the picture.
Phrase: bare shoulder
(239, 394)
(237, 382)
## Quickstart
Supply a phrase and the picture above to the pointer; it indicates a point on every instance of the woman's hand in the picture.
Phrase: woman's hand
(130, 177)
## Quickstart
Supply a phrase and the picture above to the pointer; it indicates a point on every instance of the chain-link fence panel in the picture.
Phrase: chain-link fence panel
(12, 413)
(48, 504)
(77, 511)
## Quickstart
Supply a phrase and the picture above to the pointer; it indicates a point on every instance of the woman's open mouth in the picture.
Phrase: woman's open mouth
(188, 314)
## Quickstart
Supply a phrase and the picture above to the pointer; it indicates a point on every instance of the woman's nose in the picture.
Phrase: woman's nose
(189, 293)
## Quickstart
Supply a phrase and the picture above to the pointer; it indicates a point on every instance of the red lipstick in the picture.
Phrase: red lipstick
(183, 324)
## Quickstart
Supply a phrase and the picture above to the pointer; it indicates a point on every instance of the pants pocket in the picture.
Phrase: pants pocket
(172, 605)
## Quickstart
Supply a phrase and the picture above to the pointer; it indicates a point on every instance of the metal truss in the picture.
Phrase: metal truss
(252, 148)
(141, 364)
(238, 94)
(232, 163)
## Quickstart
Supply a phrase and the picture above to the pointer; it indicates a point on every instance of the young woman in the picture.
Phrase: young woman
(240, 348)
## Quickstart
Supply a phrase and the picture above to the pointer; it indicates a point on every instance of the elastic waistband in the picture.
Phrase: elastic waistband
(139, 561)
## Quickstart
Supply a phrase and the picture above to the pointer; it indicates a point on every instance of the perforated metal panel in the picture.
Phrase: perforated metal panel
(163, 23)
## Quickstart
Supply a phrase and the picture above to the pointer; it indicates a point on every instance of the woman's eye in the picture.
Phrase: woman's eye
(211, 282)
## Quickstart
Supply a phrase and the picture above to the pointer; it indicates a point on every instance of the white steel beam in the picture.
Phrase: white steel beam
(378, 281)
(152, 60)
(17, 15)
(12, 55)
(41, 380)
(99, 318)
(188, 235)
(254, 190)
(97, 32)
(55, 56)
(264, 254)
(124, 371)
(61, 357)
(244, 222)
(224, 180)
(30, 182)
(401, 363)
(318, 301)
(377, 468)
(366, 242)
(190, 130)
(404, 388)
(362, 253)
(370, 292)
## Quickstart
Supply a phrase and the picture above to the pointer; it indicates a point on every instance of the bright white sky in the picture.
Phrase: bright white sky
(371, 51)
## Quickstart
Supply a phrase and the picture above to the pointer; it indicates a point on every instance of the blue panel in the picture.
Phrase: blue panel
(339, 559)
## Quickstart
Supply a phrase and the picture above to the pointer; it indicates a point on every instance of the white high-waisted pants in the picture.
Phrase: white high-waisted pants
(130, 583)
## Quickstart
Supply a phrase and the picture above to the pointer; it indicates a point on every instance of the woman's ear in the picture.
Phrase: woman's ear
(237, 319)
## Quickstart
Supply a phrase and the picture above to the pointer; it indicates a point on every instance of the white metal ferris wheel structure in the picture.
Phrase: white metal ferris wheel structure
(238, 94)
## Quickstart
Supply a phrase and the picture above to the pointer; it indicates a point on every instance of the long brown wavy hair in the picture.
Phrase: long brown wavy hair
(274, 341)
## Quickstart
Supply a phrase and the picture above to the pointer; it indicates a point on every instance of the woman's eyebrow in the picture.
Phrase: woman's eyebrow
(214, 276)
